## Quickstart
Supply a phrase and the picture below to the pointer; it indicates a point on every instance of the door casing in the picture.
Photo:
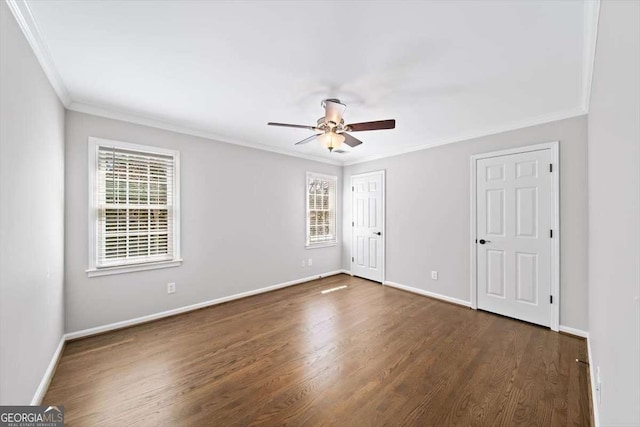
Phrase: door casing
(555, 223)
(384, 219)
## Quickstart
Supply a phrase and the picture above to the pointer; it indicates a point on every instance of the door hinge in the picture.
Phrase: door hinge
(353, 188)
(550, 167)
(352, 259)
(353, 223)
(551, 299)
(551, 234)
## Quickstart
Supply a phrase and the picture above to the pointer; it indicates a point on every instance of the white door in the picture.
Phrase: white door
(514, 202)
(367, 249)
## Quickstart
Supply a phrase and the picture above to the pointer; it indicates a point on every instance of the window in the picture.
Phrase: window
(321, 210)
(134, 206)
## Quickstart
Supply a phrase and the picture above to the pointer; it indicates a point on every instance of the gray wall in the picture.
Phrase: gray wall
(243, 225)
(428, 218)
(614, 213)
(31, 217)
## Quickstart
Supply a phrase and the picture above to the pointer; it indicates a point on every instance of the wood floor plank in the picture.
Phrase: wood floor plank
(363, 355)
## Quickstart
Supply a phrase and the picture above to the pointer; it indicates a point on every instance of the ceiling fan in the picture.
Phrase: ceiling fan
(331, 130)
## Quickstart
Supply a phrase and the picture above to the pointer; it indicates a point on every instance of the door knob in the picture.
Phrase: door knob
(482, 241)
(379, 233)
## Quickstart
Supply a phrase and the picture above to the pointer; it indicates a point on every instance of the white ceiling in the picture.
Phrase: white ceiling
(444, 70)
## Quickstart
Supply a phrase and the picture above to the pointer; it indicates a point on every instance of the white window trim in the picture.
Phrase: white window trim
(93, 270)
(306, 209)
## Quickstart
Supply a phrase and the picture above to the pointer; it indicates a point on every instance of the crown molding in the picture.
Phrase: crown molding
(479, 133)
(22, 13)
(27, 23)
(590, 38)
(29, 27)
(111, 113)
(125, 116)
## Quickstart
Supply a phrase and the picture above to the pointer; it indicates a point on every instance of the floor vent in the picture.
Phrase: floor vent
(337, 288)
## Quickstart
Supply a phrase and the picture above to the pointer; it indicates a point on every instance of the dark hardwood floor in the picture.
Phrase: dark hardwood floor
(361, 356)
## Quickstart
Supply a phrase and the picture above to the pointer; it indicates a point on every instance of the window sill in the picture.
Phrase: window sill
(95, 272)
(321, 245)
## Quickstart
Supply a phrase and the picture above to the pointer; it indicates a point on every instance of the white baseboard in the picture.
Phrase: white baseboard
(48, 374)
(592, 381)
(331, 273)
(592, 368)
(573, 331)
(428, 294)
(179, 310)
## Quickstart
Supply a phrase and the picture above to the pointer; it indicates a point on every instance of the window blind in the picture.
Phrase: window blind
(135, 197)
(321, 209)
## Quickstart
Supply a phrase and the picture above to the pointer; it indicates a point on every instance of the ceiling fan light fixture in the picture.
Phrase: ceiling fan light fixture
(331, 140)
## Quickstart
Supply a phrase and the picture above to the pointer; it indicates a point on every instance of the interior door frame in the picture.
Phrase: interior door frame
(553, 146)
(383, 172)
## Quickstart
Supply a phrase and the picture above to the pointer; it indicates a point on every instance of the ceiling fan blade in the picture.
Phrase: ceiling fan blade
(377, 125)
(287, 125)
(304, 141)
(351, 141)
(334, 110)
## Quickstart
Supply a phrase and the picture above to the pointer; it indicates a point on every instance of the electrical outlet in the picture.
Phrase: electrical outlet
(171, 288)
(310, 262)
(434, 275)
(302, 264)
